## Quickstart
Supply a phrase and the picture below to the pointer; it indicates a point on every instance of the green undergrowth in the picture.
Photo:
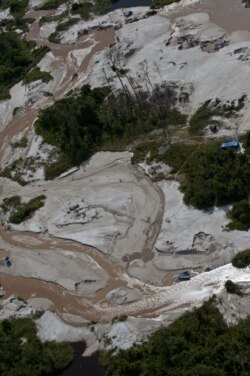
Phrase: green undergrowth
(17, 57)
(207, 112)
(52, 4)
(36, 74)
(54, 18)
(10, 172)
(21, 143)
(198, 343)
(19, 211)
(201, 118)
(242, 259)
(23, 353)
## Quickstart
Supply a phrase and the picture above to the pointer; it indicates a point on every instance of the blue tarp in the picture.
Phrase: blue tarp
(129, 13)
(184, 275)
(230, 145)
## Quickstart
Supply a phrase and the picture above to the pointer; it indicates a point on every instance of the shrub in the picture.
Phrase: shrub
(201, 118)
(21, 144)
(83, 9)
(242, 259)
(161, 3)
(10, 203)
(232, 288)
(25, 210)
(240, 216)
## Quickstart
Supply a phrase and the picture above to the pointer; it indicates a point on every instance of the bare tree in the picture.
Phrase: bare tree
(158, 71)
(144, 69)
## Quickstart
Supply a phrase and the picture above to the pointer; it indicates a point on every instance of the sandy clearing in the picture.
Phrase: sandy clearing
(180, 226)
(119, 210)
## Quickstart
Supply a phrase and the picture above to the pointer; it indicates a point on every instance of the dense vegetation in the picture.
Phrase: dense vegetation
(197, 344)
(19, 212)
(22, 353)
(242, 259)
(233, 288)
(16, 59)
(82, 124)
(211, 176)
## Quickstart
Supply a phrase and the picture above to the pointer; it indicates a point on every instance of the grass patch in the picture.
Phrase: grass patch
(242, 259)
(22, 348)
(232, 288)
(19, 212)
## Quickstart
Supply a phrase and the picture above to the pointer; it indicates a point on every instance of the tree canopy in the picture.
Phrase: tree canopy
(199, 343)
(23, 354)
(82, 124)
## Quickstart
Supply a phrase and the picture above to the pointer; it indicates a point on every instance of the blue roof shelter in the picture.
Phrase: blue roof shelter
(230, 145)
